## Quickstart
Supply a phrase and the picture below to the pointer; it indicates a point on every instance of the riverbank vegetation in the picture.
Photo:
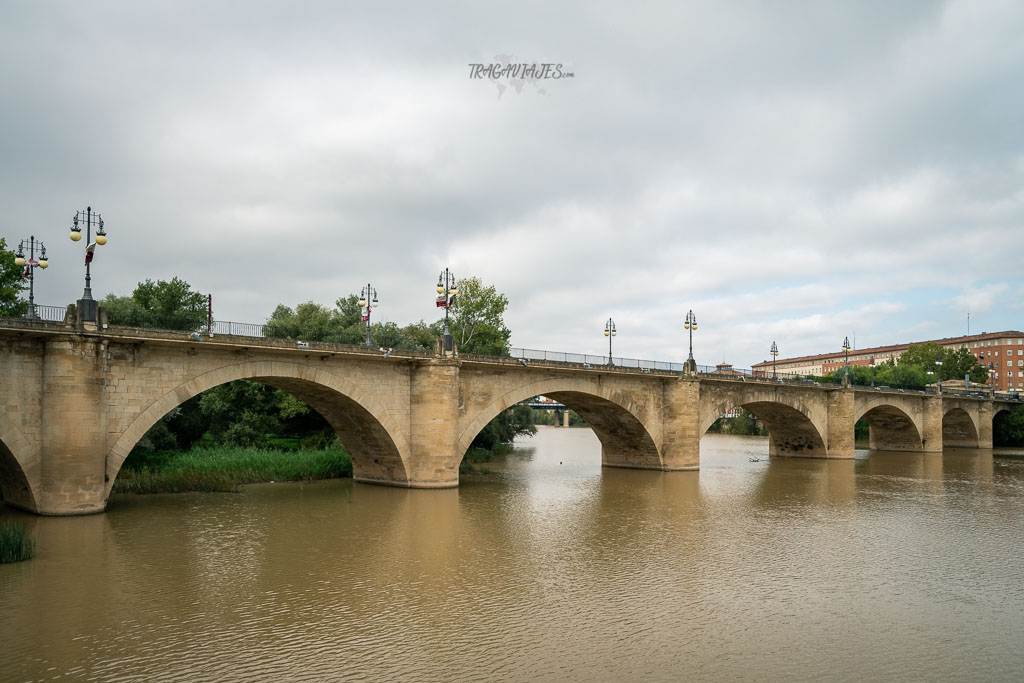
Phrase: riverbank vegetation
(1008, 427)
(226, 468)
(16, 543)
(743, 424)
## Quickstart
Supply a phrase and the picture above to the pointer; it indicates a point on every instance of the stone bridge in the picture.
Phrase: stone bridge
(76, 399)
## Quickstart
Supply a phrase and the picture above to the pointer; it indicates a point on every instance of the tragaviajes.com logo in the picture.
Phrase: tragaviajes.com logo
(507, 71)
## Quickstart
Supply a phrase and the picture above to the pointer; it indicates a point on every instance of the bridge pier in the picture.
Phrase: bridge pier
(985, 425)
(840, 424)
(680, 449)
(931, 437)
(434, 425)
(73, 434)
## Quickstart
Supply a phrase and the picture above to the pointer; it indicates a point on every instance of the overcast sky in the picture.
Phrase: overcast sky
(792, 171)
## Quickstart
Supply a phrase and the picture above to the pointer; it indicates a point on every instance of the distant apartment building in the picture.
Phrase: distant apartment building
(1001, 352)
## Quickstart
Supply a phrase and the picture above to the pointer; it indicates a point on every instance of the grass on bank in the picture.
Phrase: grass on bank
(471, 462)
(16, 543)
(226, 468)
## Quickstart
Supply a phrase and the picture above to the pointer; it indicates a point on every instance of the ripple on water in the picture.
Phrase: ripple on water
(895, 566)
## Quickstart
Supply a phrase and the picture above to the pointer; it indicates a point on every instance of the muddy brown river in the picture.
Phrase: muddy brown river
(894, 566)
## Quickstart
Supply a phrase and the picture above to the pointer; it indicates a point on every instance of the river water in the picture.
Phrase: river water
(894, 566)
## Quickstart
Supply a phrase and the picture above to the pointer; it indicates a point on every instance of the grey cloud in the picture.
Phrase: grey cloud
(813, 163)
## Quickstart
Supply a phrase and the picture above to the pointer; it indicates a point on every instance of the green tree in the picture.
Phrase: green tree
(12, 283)
(958, 363)
(504, 428)
(241, 413)
(746, 424)
(164, 304)
(922, 355)
(308, 322)
(315, 322)
(387, 335)
(476, 319)
(420, 335)
(1008, 427)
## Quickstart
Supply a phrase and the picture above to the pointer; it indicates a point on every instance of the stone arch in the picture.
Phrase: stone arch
(792, 430)
(369, 433)
(625, 440)
(891, 427)
(959, 429)
(17, 465)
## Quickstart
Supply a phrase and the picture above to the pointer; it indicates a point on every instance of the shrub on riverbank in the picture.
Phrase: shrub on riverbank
(16, 544)
(225, 469)
(474, 457)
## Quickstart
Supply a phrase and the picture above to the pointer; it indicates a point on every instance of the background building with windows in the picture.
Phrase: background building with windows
(1001, 352)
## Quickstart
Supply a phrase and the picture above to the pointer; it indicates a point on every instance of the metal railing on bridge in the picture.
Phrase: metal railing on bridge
(594, 360)
(199, 324)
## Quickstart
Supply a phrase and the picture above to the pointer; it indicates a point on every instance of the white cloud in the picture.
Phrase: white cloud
(790, 174)
(979, 300)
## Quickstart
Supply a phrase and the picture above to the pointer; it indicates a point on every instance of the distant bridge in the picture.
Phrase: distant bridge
(76, 398)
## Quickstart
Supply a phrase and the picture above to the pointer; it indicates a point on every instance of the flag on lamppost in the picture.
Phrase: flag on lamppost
(89, 252)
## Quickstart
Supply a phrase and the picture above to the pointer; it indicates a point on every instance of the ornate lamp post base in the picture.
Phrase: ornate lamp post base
(87, 310)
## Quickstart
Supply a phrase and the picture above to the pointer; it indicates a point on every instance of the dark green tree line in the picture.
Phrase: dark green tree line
(1008, 427)
(12, 284)
(917, 367)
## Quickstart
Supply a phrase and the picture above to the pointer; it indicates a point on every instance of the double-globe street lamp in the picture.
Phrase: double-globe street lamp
(609, 331)
(846, 349)
(87, 305)
(446, 291)
(368, 300)
(938, 374)
(30, 266)
(691, 325)
(775, 354)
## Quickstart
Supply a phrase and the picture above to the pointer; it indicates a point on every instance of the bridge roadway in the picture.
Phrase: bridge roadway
(76, 399)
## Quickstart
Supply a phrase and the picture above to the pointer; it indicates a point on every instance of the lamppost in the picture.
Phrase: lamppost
(846, 349)
(872, 362)
(446, 291)
(30, 268)
(691, 325)
(938, 374)
(87, 305)
(368, 298)
(609, 331)
(775, 354)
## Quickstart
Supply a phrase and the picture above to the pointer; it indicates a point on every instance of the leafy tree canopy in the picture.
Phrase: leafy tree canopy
(916, 368)
(956, 363)
(171, 305)
(12, 283)
(476, 319)
(311, 321)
